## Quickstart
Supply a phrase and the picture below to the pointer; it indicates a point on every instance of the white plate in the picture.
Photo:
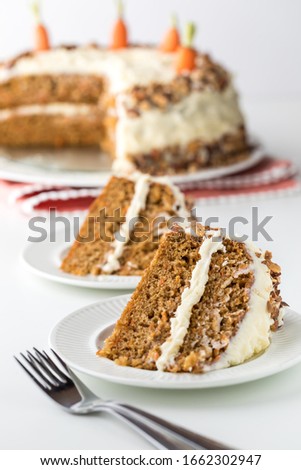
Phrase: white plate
(56, 169)
(77, 337)
(66, 167)
(44, 259)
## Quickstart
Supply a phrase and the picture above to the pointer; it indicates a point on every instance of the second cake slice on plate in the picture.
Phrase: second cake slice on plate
(205, 302)
(122, 230)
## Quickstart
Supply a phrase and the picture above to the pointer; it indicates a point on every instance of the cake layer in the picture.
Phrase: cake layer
(112, 246)
(42, 89)
(196, 155)
(205, 302)
(53, 126)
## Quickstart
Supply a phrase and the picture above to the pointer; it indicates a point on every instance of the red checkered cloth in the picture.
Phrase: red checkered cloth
(269, 179)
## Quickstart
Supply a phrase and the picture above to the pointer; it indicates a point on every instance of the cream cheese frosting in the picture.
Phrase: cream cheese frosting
(124, 68)
(254, 333)
(206, 115)
(65, 109)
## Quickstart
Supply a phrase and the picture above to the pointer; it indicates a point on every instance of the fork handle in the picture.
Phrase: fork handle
(188, 438)
(154, 433)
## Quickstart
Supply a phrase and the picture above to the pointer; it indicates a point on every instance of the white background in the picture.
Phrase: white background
(259, 40)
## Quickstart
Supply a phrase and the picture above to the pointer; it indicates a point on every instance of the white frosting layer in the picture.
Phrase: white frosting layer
(142, 185)
(65, 109)
(205, 115)
(190, 296)
(254, 332)
(137, 204)
(124, 68)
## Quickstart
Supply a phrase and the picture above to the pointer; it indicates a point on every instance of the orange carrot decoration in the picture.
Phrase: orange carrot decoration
(186, 53)
(120, 33)
(41, 38)
(172, 40)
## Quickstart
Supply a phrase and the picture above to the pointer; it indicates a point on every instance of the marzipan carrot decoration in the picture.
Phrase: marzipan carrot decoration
(120, 33)
(186, 53)
(41, 38)
(172, 40)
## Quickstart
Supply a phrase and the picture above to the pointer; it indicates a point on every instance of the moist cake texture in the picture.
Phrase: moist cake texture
(205, 302)
(139, 109)
(124, 225)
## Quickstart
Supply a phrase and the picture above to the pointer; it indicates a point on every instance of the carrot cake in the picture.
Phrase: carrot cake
(124, 225)
(132, 102)
(206, 302)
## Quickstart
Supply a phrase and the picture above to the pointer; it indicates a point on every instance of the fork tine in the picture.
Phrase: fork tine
(45, 389)
(67, 375)
(38, 371)
(44, 369)
(45, 357)
(60, 360)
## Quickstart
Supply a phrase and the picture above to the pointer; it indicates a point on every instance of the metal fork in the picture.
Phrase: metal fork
(62, 385)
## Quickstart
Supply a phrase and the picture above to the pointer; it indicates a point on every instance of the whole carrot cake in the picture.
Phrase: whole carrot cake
(124, 225)
(133, 102)
(206, 302)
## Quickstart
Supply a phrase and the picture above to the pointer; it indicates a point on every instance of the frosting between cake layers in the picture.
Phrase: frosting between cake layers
(142, 184)
(124, 68)
(203, 115)
(64, 109)
(137, 204)
(190, 296)
(254, 333)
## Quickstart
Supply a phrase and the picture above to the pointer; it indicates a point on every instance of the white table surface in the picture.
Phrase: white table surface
(260, 415)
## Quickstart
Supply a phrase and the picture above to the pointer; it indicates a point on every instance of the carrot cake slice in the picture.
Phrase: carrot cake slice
(206, 302)
(124, 225)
